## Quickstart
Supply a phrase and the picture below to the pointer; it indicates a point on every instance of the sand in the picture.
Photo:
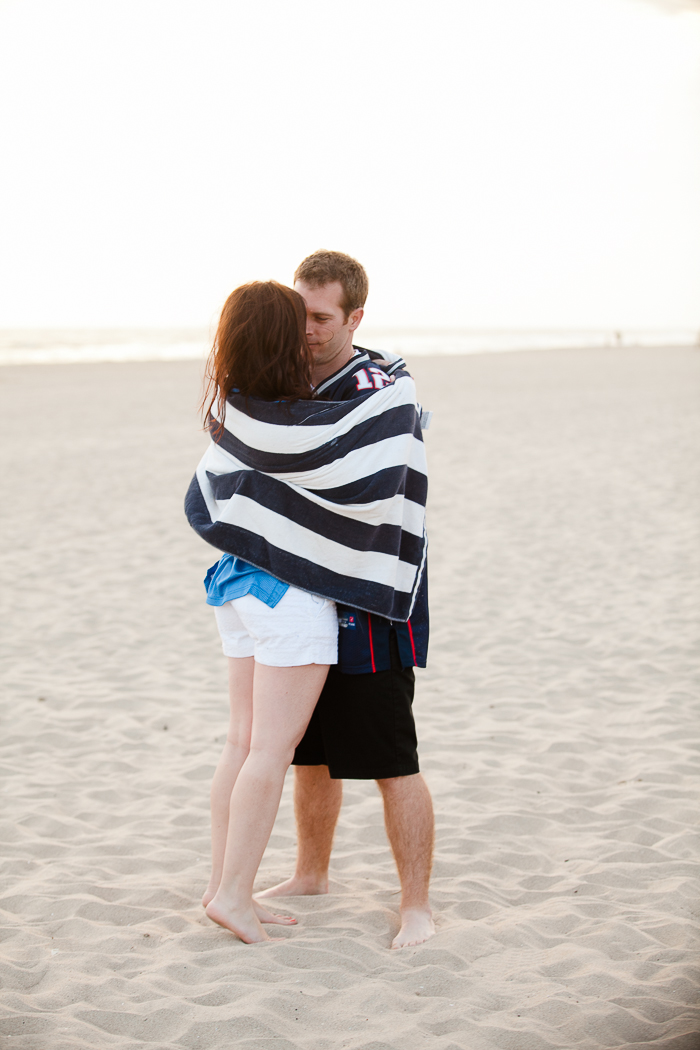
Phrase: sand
(557, 720)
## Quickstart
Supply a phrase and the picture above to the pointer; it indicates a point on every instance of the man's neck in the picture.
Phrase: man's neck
(322, 371)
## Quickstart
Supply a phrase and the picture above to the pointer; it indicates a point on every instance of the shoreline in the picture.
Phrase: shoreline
(75, 347)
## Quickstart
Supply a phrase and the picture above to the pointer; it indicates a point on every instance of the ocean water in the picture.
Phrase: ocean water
(69, 346)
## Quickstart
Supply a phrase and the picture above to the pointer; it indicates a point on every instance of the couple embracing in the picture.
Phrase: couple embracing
(314, 488)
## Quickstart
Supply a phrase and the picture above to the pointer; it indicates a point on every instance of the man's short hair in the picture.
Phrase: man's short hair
(324, 267)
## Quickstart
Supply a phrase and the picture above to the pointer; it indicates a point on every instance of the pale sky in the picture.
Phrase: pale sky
(493, 163)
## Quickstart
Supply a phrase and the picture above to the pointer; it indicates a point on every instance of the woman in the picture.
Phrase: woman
(324, 502)
(279, 639)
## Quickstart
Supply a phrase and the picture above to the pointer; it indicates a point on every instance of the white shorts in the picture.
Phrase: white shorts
(301, 629)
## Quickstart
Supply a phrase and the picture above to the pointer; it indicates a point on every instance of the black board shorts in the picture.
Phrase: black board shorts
(362, 727)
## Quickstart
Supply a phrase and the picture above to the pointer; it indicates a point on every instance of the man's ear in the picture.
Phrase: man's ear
(355, 318)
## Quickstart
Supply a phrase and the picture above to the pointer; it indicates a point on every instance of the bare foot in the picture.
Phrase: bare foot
(263, 914)
(417, 926)
(297, 886)
(245, 924)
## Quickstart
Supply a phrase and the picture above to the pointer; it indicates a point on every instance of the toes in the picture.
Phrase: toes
(269, 916)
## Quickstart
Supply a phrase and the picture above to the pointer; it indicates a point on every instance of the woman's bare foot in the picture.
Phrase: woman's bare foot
(265, 915)
(297, 886)
(245, 924)
(417, 926)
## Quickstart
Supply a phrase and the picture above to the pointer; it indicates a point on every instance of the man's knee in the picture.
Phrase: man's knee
(392, 787)
(311, 774)
(313, 787)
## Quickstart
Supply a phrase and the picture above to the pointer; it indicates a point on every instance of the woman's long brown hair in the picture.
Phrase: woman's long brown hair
(260, 348)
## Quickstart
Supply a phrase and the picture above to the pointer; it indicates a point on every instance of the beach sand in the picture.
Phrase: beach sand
(557, 720)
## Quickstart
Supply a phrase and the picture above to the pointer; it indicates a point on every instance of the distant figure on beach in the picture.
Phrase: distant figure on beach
(363, 726)
(280, 492)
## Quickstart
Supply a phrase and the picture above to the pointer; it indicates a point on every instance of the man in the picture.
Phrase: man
(363, 726)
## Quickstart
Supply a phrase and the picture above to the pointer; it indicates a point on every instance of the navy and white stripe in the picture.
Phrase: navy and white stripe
(328, 496)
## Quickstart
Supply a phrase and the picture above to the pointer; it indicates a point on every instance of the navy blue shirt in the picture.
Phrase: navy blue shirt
(363, 638)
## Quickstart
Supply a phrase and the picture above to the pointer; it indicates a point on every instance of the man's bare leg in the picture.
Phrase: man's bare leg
(317, 801)
(410, 827)
(408, 814)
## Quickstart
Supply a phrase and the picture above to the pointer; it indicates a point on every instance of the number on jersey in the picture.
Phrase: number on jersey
(372, 379)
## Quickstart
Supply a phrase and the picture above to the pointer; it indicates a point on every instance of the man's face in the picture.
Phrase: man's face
(328, 331)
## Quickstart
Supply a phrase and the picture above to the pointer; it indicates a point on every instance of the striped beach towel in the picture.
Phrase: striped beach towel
(328, 496)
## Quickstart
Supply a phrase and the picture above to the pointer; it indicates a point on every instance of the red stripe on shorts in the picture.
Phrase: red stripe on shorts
(371, 644)
(410, 634)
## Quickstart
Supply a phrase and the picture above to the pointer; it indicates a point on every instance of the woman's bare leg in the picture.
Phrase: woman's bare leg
(234, 754)
(283, 702)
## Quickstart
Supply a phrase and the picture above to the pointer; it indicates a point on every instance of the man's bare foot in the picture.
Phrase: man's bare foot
(297, 886)
(417, 926)
(263, 914)
(245, 924)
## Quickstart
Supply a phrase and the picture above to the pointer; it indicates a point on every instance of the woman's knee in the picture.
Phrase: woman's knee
(238, 737)
(271, 756)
